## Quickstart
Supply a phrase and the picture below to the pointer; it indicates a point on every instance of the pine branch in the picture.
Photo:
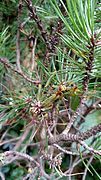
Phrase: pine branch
(89, 64)
(39, 23)
(50, 40)
(75, 138)
(92, 132)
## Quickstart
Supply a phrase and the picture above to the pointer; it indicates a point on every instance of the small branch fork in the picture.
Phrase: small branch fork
(5, 62)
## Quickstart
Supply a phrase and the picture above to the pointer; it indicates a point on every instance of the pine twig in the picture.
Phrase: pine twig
(40, 26)
(92, 132)
(77, 138)
(22, 138)
(66, 151)
(5, 62)
(79, 112)
(98, 152)
(89, 64)
(73, 137)
(10, 156)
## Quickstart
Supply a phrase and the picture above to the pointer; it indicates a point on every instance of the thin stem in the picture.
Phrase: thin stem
(10, 156)
(5, 62)
(90, 148)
